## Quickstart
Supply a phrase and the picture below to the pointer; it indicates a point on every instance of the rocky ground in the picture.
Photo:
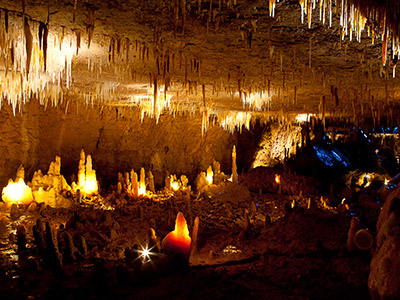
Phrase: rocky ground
(251, 245)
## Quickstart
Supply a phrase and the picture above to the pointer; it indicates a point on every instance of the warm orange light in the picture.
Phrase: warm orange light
(142, 183)
(17, 192)
(142, 190)
(175, 185)
(209, 176)
(87, 182)
(178, 241)
(278, 179)
(90, 187)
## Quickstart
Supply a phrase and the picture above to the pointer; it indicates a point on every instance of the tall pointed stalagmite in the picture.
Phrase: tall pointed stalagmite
(234, 166)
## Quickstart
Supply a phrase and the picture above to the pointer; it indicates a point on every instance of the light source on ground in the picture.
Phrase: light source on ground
(145, 255)
(87, 182)
(17, 192)
(142, 183)
(209, 175)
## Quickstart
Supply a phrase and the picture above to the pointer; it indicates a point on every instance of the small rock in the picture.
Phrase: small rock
(21, 237)
(116, 226)
(113, 234)
(14, 212)
(108, 219)
(83, 246)
(32, 207)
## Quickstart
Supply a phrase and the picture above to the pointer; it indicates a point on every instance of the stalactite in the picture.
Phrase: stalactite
(78, 41)
(6, 19)
(28, 44)
(45, 37)
(90, 25)
(127, 46)
(74, 11)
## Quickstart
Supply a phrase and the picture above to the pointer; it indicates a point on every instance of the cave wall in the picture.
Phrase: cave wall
(116, 138)
(275, 142)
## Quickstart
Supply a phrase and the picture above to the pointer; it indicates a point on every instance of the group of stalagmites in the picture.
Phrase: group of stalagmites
(54, 249)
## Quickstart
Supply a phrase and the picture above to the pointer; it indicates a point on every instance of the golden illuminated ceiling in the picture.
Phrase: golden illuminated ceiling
(225, 59)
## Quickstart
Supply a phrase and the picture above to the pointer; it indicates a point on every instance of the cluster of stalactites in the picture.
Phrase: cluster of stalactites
(354, 19)
(34, 62)
(155, 102)
(234, 120)
(256, 101)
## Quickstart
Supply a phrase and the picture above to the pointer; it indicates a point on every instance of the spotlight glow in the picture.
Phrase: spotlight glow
(145, 255)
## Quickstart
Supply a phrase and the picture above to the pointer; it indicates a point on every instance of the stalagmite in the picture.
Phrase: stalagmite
(38, 234)
(153, 241)
(177, 243)
(70, 248)
(195, 233)
(21, 237)
(135, 184)
(354, 227)
(54, 257)
(234, 166)
(151, 187)
(142, 183)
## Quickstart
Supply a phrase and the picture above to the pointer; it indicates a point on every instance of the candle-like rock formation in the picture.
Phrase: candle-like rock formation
(177, 242)
(130, 185)
(87, 182)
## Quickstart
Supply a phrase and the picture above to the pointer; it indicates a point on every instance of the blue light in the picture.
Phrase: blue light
(331, 157)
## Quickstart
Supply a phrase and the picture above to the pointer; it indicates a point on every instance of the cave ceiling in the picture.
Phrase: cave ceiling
(214, 56)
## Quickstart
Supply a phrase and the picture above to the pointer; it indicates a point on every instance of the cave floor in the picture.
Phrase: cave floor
(300, 254)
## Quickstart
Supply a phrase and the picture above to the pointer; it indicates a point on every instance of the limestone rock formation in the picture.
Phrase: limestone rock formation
(384, 278)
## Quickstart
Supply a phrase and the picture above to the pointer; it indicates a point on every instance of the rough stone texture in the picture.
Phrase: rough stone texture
(274, 143)
(384, 278)
(115, 138)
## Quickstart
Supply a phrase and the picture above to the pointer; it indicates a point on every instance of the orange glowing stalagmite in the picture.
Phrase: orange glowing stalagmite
(177, 242)
(277, 179)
